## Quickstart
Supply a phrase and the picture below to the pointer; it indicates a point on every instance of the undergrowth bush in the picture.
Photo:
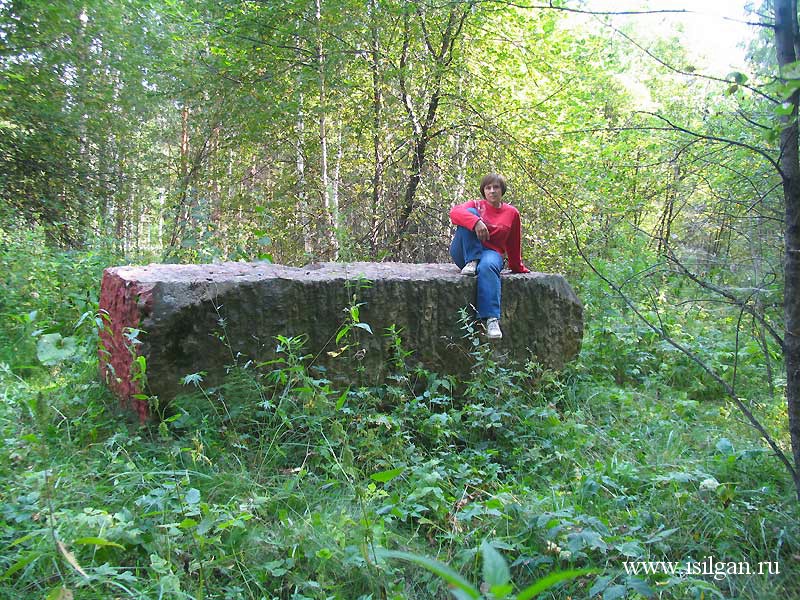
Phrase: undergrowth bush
(279, 484)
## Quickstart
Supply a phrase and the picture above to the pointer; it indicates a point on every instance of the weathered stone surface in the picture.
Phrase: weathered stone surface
(179, 311)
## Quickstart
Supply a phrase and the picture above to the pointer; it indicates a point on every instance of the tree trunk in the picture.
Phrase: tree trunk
(377, 117)
(461, 156)
(302, 194)
(668, 214)
(786, 37)
(183, 180)
(442, 56)
(331, 210)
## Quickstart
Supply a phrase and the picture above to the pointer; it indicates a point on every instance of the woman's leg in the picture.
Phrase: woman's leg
(489, 267)
(466, 246)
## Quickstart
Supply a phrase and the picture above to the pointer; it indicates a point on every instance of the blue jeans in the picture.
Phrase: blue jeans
(467, 247)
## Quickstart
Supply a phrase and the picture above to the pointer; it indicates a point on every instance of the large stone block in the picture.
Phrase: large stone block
(185, 319)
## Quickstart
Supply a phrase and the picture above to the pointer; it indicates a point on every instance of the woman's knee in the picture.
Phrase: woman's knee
(490, 264)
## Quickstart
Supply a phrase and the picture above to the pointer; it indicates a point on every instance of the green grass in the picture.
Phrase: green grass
(279, 485)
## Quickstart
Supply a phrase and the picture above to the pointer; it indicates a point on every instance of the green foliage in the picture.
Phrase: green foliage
(496, 575)
(278, 483)
(53, 349)
(42, 319)
(74, 115)
(199, 131)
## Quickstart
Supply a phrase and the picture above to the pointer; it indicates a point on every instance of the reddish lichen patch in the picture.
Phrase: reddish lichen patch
(123, 304)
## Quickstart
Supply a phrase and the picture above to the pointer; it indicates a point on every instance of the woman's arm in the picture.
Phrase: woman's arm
(514, 247)
(461, 215)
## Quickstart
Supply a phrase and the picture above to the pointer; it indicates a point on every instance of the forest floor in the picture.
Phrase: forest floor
(279, 485)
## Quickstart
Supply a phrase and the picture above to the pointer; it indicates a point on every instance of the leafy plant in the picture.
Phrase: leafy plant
(497, 581)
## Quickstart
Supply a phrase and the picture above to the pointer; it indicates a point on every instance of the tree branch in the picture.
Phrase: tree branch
(730, 392)
(744, 304)
(663, 63)
(425, 35)
(685, 351)
(714, 138)
(415, 126)
(680, 11)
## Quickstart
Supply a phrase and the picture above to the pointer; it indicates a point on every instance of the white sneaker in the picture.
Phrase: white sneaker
(493, 329)
(470, 268)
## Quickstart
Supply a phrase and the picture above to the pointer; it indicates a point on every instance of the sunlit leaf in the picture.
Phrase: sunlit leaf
(384, 476)
(52, 349)
(97, 541)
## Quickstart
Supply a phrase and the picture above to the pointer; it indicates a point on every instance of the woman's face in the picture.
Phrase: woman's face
(493, 193)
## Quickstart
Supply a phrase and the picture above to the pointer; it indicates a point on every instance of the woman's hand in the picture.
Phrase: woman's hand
(481, 231)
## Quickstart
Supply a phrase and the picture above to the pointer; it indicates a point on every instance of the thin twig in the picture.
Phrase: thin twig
(726, 294)
(688, 353)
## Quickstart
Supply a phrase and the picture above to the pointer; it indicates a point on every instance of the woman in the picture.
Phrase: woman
(486, 230)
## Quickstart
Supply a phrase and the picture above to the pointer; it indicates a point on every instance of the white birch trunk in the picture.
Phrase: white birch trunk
(331, 210)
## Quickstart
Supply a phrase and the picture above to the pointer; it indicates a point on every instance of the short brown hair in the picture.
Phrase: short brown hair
(493, 178)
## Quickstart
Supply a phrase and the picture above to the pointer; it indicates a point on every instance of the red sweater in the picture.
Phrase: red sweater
(505, 232)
